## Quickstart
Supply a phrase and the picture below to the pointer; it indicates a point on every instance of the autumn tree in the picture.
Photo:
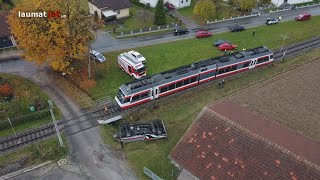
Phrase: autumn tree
(205, 10)
(245, 5)
(59, 42)
(159, 15)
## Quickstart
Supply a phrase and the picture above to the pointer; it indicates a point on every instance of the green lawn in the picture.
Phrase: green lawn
(25, 93)
(35, 154)
(180, 113)
(170, 55)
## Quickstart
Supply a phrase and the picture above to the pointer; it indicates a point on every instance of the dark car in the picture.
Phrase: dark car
(203, 33)
(169, 6)
(220, 41)
(236, 28)
(179, 31)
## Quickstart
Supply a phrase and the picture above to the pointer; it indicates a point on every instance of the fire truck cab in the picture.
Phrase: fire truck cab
(133, 67)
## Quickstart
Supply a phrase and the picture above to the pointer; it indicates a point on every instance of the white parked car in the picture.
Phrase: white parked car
(271, 21)
(137, 56)
(97, 56)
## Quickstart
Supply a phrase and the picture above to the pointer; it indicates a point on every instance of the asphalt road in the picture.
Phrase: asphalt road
(90, 158)
(106, 43)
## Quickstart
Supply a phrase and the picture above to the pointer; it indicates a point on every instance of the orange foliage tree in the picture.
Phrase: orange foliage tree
(58, 42)
(5, 90)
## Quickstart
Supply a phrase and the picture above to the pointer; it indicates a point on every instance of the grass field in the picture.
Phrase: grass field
(139, 18)
(170, 55)
(180, 113)
(25, 93)
(34, 154)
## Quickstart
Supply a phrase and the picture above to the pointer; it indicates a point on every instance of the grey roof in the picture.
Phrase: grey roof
(113, 4)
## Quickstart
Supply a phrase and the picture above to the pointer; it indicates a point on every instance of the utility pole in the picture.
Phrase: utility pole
(284, 53)
(89, 65)
(284, 38)
(55, 123)
(12, 127)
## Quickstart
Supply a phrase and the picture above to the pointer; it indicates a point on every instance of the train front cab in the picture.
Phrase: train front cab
(126, 102)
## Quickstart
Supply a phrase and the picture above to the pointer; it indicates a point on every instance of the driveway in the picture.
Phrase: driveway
(90, 158)
(105, 43)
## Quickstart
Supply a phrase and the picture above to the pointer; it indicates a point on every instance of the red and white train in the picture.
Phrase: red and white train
(175, 80)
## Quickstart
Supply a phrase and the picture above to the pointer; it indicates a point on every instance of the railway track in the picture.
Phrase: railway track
(112, 110)
(27, 137)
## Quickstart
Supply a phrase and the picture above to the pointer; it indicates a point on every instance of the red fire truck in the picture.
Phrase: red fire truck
(133, 67)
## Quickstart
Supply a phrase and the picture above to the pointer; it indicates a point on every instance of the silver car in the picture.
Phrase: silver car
(97, 56)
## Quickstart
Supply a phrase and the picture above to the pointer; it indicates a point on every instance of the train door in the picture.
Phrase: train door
(252, 63)
(155, 92)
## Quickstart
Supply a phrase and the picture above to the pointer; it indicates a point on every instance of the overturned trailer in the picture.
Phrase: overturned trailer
(141, 131)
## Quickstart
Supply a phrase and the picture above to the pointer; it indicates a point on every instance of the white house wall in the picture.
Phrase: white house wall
(123, 13)
(177, 3)
(93, 8)
(279, 2)
(153, 3)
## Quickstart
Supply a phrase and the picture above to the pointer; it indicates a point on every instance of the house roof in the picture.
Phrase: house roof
(4, 26)
(113, 4)
(217, 147)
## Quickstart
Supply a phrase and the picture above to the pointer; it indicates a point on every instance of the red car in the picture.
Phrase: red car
(227, 47)
(169, 6)
(303, 17)
(203, 33)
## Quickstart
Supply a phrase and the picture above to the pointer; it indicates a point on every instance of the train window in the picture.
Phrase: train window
(260, 60)
(179, 84)
(171, 86)
(265, 59)
(126, 100)
(136, 97)
(204, 69)
(246, 64)
(227, 69)
(163, 89)
(221, 71)
(234, 68)
(186, 81)
(271, 56)
(144, 95)
(194, 79)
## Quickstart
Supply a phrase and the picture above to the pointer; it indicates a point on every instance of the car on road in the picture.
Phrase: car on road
(227, 47)
(271, 21)
(236, 28)
(179, 31)
(137, 56)
(220, 41)
(169, 6)
(303, 17)
(97, 56)
(203, 33)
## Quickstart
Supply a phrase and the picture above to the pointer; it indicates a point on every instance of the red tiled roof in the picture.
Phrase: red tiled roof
(216, 148)
(4, 26)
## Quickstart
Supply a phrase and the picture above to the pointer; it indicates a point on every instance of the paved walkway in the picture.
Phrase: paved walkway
(189, 23)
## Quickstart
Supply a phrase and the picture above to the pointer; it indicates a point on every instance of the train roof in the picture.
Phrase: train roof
(190, 69)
